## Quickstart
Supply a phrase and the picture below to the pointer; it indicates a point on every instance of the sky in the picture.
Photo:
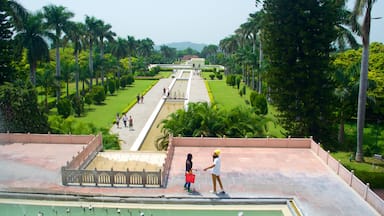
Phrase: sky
(166, 21)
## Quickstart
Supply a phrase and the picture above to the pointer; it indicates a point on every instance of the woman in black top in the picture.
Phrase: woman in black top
(188, 169)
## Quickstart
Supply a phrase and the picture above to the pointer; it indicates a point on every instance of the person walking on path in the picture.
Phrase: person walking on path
(125, 119)
(130, 122)
(188, 170)
(138, 98)
(117, 120)
(216, 166)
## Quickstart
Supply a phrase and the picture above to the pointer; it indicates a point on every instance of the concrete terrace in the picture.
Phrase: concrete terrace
(247, 173)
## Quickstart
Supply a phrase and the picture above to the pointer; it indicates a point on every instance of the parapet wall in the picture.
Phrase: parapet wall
(8, 138)
(242, 142)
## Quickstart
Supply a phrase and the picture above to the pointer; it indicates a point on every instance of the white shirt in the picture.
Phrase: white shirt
(216, 168)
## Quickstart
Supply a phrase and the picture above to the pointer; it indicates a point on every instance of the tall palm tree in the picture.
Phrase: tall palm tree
(344, 34)
(57, 19)
(16, 11)
(103, 32)
(31, 36)
(75, 34)
(145, 47)
(119, 50)
(131, 47)
(362, 8)
(91, 24)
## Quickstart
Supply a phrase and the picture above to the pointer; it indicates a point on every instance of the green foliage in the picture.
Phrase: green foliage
(238, 81)
(111, 86)
(219, 76)
(110, 141)
(6, 49)
(64, 107)
(19, 110)
(211, 121)
(78, 105)
(231, 80)
(212, 76)
(298, 70)
(88, 99)
(370, 171)
(259, 102)
(98, 94)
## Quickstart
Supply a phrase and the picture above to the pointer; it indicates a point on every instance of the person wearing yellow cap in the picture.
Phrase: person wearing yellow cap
(216, 171)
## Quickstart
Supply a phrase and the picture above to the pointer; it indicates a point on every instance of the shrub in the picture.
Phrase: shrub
(130, 79)
(238, 81)
(212, 76)
(88, 99)
(219, 76)
(259, 102)
(98, 94)
(231, 80)
(78, 105)
(111, 86)
(64, 107)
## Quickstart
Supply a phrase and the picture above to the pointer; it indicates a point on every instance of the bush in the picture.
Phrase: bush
(238, 81)
(78, 105)
(219, 76)
(98, 94)
(212, 76)
(123, 81)
(259, 102)
(130, 79)
(111, 86)
(64, 107)
(88, 99)
(231, 80)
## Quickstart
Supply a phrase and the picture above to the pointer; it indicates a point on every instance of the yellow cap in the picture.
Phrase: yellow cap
(217, 152)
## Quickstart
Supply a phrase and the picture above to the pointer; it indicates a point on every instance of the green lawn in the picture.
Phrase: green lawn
(104, 115)
(228, 97)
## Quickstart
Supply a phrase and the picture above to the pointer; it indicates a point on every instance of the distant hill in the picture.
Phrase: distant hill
(183, 46)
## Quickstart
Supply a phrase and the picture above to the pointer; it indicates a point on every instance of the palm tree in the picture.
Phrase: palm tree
(47, 81)
(57, 19)
(145, 47)
(75, 34)
(16, 11)
(31, 36)
(91, 24)
(344, 35)
(131, 47)
(345, 92)
(103, 32)
(362, 8)
(119, 50)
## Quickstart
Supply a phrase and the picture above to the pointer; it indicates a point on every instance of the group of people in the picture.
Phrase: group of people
(140, 98)
(125, 121)
(215, 172)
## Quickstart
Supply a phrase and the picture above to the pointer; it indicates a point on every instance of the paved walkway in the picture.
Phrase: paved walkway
(141, 112)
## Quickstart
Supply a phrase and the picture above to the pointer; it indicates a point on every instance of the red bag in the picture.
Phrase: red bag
(190, 177)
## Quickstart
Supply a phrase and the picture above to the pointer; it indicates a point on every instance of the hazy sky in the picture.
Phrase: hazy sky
(164, 21)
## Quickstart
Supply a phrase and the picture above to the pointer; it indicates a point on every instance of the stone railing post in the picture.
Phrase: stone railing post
(96, 177)
(127, 178)
(112, 177)
(351, 179)
(144, 178)
(366, 191)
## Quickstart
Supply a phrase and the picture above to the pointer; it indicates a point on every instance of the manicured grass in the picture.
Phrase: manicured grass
(370, 171)
(228, 97)
(104, 115)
